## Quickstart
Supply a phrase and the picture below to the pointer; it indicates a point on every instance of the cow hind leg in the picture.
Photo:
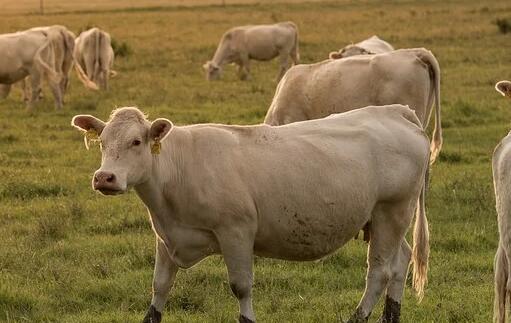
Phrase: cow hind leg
(284, 64)
(399, 267)
(4, 90)
(501, 290)
(389, 224)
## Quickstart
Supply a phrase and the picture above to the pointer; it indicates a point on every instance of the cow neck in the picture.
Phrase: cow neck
(164, 178)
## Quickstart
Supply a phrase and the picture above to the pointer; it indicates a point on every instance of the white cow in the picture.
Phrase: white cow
(372, 45)
(501, 164)
(94, 54)
(261, 42)
(405, 76)
(63, 42)
(29, 54)
(294, 192)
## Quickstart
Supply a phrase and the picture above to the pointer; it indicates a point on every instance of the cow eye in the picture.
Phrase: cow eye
(136, 142)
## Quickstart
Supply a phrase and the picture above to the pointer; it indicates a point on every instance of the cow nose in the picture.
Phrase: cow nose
(102, 179)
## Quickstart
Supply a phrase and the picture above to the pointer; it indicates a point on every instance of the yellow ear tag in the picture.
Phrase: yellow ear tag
(156, 147)
(91, 137)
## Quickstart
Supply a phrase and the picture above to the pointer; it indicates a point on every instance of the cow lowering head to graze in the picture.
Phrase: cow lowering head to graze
(405, 76)
(261, 42)
(372, 45)
(62, 42)
(31, 54)
(501, 165)
(294, 192)
(94, 54)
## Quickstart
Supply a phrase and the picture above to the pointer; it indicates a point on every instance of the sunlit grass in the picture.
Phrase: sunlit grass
(70, 255)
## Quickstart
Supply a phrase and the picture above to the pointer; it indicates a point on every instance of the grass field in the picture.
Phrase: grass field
(68, 254)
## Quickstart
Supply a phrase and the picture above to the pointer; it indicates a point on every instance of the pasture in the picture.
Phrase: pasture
(68, 254)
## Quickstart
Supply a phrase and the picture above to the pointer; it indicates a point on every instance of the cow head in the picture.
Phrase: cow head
(213, 71)
(350, 50)
(504, 88)
(126, 140)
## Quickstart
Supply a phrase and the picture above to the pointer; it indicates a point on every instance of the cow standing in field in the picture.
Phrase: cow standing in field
(294, 192)
(94, 53)
(63, 42)
(370, 46)
(261, 42)
(406, 76)
(501, 165)
(31, 54)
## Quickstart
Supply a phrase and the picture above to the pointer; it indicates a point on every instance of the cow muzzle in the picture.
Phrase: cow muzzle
(106, 183)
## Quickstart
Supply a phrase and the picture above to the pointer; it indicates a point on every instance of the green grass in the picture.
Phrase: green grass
(68, 254)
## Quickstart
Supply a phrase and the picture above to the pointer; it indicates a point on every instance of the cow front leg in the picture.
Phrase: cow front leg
(35, 84)
(4, 90)
(244, 68)
(237, 249)
(164, 275)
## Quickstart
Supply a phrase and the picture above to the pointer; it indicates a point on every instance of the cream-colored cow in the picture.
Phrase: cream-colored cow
(94, 54)
(293, 192)
(31, 54)
(372, 45)
(501, 164)
(405, 76)
(261, 42)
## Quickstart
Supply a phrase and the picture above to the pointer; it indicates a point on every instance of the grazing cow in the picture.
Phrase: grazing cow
(29, 54)
(372, 45)
(501, 165)
(406, 76)
(94, 54)
(294, 192)
(262, 43)
(63, 42)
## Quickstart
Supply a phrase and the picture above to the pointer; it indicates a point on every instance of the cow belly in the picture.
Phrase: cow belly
(13, 76)
(307, 237)
(188, 246)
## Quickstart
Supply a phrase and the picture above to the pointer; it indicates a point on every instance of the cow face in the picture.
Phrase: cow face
(352, 50)
(126, 140)
(504, 88)
(213, 71)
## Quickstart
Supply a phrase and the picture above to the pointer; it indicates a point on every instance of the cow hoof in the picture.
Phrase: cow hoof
(152, 316)
(391, 311)
(244, 319)
(358, 317)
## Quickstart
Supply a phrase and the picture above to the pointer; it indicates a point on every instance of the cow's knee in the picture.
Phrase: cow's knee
(152, 316)
(241, 289)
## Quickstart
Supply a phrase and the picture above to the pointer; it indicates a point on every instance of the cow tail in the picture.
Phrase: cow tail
(420, 251)
(97, 59)
(295, 53)
(436, 140)
(53, 76)
(83, 77)
(501, 291)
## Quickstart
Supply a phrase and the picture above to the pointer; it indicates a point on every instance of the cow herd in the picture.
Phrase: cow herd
(343, 148)
(49, 53)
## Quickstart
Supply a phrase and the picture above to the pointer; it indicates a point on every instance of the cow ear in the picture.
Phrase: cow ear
(160, 128)
(335, 55)
(206, 66)
(504, 88)
(87, 122)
